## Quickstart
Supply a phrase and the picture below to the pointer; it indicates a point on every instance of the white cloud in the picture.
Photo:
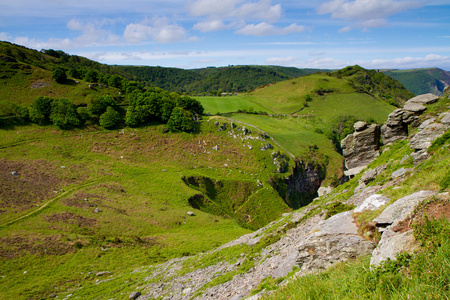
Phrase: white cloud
(263, 29)
(282, 61)
(4, 36)
(208, 26)
(234, 12)
(366, 13)
(409, 62)
(158, 29)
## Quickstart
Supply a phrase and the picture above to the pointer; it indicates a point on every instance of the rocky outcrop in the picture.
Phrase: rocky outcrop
(396, 127)
(393, 242)
(361, 147)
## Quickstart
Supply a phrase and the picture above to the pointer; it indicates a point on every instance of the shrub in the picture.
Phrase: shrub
(180, 119)
(64, 114)
(110, 118)
(59, 75)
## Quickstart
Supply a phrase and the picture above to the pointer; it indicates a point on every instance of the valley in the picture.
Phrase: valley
(96, 211)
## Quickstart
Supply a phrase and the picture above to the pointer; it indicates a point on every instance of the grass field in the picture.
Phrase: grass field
(115, 200)
(228, 104)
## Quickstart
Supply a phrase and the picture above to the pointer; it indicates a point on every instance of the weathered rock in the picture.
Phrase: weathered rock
(14, 173)
(445, 118)
(400, 172)
(104, 273)
(372, 202)
(424, 99)
(190, 213)
(322, 191)
(420, 156)
(360, 126)
(428, 132)
(400, 209)
(361, 147)
(370, 174)
(134, 295)
(391, 244)
(414, 107)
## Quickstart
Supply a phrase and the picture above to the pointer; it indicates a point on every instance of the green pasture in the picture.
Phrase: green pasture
(226, 104)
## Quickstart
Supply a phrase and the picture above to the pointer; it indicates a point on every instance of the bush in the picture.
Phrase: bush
(110, 118)
(181, 119)
(59, 75)
(40, 110)
(64, 114)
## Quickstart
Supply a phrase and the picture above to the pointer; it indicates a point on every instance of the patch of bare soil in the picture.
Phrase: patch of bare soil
(434, 210)
(84, 200)
(39, 84)
(17, 246)
(71, 218)
(25, 184)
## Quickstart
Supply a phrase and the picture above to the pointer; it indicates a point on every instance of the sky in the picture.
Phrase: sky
(326, 34)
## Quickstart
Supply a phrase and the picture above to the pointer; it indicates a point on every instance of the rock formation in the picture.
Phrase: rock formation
(361, 147)
(396, 127)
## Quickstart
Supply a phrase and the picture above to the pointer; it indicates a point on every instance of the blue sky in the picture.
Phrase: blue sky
(400, 34)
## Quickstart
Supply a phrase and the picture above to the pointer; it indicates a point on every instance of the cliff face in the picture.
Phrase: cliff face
(300, 188)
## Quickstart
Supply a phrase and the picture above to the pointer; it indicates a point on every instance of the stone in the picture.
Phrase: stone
(134, 295)
(391, 244)
(420, 156)
(190, 213)
(216, 148)
(402, 208)
(360, 126)
(424, 99)
(400, 172)
(104, 273)
(354, 171)
(361, 147)
(428, 132)
(97, 210)
(14, 173)
(445, 118)
(216, 123)
(372, 202)
(414, 107)
(368, 176)
(322, 191)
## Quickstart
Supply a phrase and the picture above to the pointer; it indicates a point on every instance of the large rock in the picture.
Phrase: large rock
(428, 132)
(391, 244)
(361, 147)
(424, 99)
(396, 127)
(400, 209)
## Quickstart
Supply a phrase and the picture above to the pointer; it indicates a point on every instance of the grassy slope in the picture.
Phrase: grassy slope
(303, 123)
(143, 209)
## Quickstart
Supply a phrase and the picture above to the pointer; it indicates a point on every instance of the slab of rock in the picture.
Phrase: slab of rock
(428, 132)
(391, 244)
(445, 118)
(360, 126)
(361, 147)
(372, 202)
(402, 208)
(400, 172)
(414, 107)
(424, 99)
(134, 295)
(324, 191)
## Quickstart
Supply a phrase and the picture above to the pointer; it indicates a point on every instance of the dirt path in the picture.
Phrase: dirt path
(46, 204)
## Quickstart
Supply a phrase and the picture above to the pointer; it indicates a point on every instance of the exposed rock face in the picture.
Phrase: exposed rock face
(361, 147)
(392, 242)
(302, 184)
(396, 127)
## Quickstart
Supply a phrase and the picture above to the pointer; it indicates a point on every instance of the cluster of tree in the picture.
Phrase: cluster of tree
(59, 74)
(178, 112)
(213, 81)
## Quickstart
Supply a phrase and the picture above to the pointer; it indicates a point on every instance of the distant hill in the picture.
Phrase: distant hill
(213, 80)
(422, 81)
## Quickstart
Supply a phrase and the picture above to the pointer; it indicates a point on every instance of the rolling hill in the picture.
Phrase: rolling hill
(422, 81)
(87, 202)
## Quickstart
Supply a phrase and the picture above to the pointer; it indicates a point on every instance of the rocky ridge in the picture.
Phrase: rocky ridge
(306, 241)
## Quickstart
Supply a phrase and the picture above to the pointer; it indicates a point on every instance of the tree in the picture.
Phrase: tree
(181, 119)
(64, 114)
(190, 104)
(59, 75)
(91, 76)
(40, 110)
(98, 105)
(110, 118)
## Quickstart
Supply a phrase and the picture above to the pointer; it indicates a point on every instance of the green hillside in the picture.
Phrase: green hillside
(102, 173)
(422, 81)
